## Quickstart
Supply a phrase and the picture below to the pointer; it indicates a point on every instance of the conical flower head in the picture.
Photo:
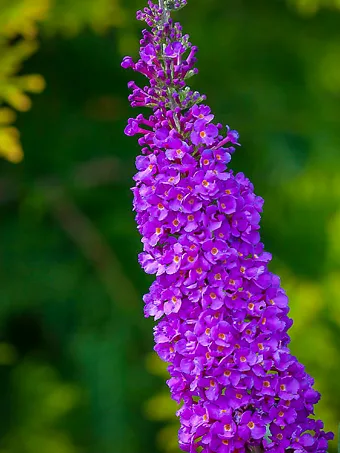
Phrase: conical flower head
(222, 315)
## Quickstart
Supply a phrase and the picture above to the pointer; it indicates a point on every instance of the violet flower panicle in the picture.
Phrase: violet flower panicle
(222, 315)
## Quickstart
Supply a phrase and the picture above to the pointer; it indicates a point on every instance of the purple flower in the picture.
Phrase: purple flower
(233, 136)
(202, 112)
(174, 50)
(222, 315)
(204, 133)
(147, 54)
(251, 426)
(225, 428)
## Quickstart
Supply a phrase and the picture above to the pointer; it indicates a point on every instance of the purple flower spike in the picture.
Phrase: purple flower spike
(222, 315)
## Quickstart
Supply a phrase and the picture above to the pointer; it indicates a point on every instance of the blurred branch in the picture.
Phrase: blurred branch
(97, 172)
(79, 228)
(94, 173)
(94, 247)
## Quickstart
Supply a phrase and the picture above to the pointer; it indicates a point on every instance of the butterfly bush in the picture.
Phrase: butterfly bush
(222, 315)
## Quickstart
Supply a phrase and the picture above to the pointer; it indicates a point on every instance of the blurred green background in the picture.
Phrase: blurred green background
(77, 374)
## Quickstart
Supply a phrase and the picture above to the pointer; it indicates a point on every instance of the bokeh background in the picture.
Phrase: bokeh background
(77, 372)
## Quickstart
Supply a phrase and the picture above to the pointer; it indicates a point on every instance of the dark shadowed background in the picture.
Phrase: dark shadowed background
(77, 373)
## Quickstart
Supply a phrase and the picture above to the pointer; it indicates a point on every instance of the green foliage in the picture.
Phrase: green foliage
(17, 17)
(312, 6)
(39, 410)
(21, 17)
(69, 18)
(162, 408)
(73, 340)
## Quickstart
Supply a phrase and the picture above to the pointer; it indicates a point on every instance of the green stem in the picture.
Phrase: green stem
(165, 11)
(172, 103)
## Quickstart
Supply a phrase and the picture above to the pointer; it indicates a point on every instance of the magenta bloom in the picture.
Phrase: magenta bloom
(222, 315)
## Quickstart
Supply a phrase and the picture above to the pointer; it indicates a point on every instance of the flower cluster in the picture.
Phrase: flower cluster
(223, 317)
